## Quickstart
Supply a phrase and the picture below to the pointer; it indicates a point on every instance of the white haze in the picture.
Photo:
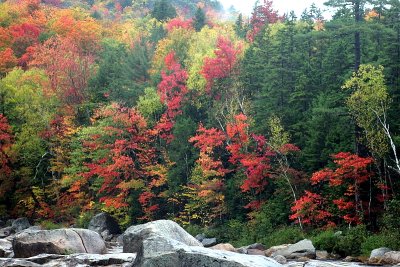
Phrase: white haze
(283, 6)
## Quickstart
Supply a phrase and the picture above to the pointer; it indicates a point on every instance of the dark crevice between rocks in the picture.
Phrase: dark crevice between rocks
(83, 243)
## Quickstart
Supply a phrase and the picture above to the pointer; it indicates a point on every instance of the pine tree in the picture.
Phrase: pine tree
(163, 10)
(199, 19)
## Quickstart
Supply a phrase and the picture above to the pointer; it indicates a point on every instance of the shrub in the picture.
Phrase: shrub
(373, 242)
(286, 235)
(193, 229)
(84, 219)
(349, 244)
(326, 240)
(239, 233)
(390, 220)
(385, 239)
(49, 225)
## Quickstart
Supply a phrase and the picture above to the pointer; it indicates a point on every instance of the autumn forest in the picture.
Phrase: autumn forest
(265, 128)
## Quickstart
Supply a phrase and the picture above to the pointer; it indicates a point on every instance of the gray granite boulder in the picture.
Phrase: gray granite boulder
(303, 248)
(209, 242)
(103, 222)
(165, 244)
(377, 254)
(161, 230)
(20, 224)
(60, 241)
(391, 257)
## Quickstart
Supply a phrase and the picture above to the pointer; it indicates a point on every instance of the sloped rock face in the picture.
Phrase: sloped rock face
(202, 257)
(165, 244)
(104, 222)
(61, 241)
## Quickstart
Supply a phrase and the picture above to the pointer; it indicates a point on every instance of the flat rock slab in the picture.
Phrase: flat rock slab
(80, 259)
(316, 263)
(17, 263)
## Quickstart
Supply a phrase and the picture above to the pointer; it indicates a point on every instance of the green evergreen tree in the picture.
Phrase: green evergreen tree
(240, 28)
(199, 19)
(163, 10)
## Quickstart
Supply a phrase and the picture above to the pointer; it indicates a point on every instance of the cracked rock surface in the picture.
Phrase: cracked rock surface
(60, 241)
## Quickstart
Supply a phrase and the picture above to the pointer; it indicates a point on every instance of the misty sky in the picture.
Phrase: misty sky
(284, 6)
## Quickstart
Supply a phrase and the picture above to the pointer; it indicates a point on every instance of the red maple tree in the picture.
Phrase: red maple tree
(262, 15)
(172, 90)
(223, 64)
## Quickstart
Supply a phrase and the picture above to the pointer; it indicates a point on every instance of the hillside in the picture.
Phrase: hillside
(274, 126)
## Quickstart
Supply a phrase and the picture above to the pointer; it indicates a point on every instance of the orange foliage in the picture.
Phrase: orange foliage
(7, 60)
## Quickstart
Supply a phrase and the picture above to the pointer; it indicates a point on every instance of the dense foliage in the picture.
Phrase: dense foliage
(158, 109)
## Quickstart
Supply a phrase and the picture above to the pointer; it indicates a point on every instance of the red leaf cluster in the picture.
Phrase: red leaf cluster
(262, 15)
(222, 65)
(6, 140)
(351, 172)
(172, 90)
(311, 209)
(179, 23)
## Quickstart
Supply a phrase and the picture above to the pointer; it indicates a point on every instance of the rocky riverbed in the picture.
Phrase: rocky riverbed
(156, 244)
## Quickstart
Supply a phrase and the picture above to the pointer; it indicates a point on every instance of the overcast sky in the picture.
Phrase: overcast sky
(284, 6)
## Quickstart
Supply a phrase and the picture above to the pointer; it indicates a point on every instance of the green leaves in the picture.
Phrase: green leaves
(369, 103)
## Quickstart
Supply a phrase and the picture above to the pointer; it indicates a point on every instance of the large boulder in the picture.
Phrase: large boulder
(321, 255)
(162, 232)
(20, 224)
(60, 241)
(376, 255)
(274, 249)
(103, 222)
(303, 248)
(165, 244)
(209, 242)
(391, 257)
(6, 231)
